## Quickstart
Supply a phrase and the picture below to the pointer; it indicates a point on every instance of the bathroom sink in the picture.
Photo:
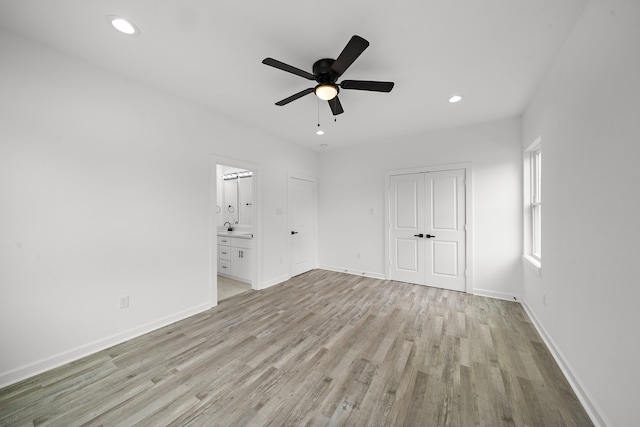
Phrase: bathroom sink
(237, 233)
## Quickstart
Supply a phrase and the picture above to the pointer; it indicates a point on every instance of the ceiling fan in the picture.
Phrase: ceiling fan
(327, 71)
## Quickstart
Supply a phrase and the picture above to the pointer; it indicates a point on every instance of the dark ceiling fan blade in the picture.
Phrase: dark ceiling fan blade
(336, 106)
(350, 53)
(288, 68)
(294, 97)
(367, 85)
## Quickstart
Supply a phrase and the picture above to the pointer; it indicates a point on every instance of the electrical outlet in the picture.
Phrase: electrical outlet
(124, 302)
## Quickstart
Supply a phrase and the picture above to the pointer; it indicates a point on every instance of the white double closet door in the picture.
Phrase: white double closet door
(427, 229)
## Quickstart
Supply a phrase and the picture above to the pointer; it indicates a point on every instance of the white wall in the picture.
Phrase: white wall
(352, 183)
(105, 191)
(587, 113)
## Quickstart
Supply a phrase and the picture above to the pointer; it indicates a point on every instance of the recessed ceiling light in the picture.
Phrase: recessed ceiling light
(455, 98)
(123, 25)
(320, 132)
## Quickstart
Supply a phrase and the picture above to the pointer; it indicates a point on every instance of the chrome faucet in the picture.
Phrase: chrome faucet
(230, 228)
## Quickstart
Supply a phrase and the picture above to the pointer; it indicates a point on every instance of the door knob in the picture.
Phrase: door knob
(419, 235)
(294, 232)
(428, 236)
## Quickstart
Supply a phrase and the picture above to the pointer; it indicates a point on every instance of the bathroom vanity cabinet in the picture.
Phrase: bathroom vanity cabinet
(235, 257)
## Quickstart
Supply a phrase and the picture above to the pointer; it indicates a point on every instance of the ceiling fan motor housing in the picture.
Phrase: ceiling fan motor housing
(322, 71)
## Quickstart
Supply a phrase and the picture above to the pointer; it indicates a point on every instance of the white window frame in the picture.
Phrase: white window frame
(532, 251)
(536, 203)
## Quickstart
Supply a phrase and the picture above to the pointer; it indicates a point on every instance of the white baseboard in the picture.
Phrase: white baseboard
(27, 371)
(274, 282)
(593, 410)
(497, 295)
(352, 271)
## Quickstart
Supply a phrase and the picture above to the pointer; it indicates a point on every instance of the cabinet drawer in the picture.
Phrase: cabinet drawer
(241, 243)
(224, 266)
(224, 252)
(224, 240)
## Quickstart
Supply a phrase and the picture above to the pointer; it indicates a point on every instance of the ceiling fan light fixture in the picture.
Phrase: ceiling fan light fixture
(326, 92)
(455, 98)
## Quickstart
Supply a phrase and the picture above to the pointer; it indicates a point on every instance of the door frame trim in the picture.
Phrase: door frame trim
(468, 173)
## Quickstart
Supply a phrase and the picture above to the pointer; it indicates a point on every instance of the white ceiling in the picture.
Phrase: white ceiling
(492, 52)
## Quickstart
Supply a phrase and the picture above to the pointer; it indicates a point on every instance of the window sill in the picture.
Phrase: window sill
(533, 263)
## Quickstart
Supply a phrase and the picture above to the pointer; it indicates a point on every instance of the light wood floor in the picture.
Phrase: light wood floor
(321, 349)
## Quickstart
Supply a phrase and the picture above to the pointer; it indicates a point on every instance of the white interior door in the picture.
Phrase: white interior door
(302, 225)
(445, 221)
(406, 220)
(427, 229)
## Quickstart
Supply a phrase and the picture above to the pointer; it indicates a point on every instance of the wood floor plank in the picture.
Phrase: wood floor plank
(417, 397)
(322, 349)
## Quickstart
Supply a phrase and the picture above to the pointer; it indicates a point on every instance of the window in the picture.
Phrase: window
(533, 205)
(536, 203)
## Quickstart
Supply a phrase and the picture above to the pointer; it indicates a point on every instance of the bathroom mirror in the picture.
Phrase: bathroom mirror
(235, 196)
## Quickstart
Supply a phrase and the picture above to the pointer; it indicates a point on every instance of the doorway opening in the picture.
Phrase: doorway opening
(235, 247)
